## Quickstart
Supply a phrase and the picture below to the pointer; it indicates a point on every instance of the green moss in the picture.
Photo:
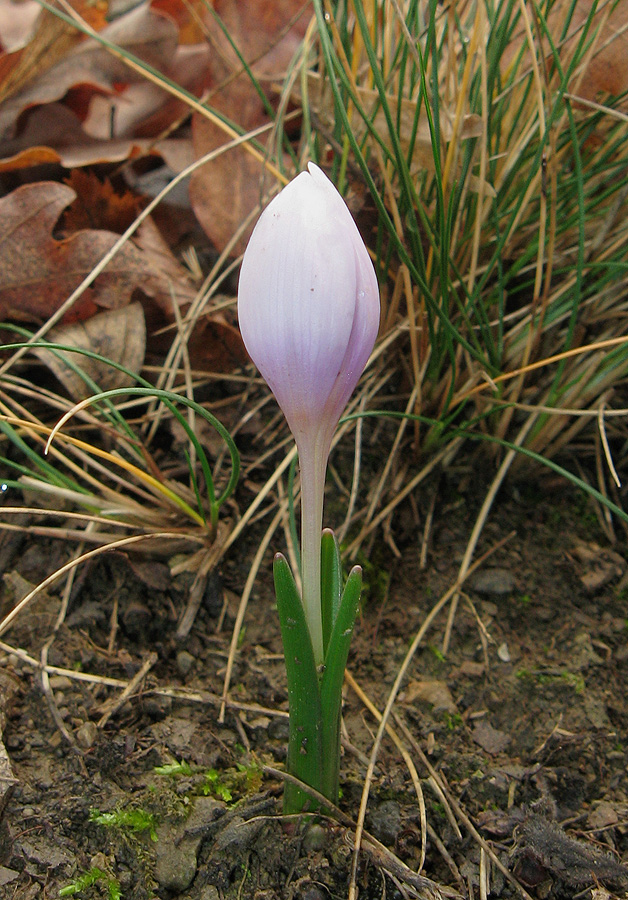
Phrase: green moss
(87, 879)
(134, 821)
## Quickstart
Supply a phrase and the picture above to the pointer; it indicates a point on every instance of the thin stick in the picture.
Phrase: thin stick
(392, 734)
(139, 676)
(380, 854)
(607, 449)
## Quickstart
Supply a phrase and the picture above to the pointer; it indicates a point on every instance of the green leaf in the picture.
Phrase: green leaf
(331, 583)
(304, 747)
(331, 685)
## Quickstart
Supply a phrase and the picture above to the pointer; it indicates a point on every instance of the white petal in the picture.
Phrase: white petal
(297, 296)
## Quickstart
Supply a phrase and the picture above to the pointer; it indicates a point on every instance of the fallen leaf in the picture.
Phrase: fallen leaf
(17, 23)
(144, 109)
(267, 35)
(98, 205)
(227, 190)
(216, 346)
(404, 112)
(164, 279)
(118, 335)
(54, 134)
(50, 41)
(188, 14)
(148, 35)
(436, 693)
(490, 739)
(606, 71)
(38, 272)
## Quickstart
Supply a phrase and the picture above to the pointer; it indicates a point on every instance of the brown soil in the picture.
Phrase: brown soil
(524, 721)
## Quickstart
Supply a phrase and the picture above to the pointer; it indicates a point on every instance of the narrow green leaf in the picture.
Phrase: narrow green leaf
(331, 685)
(304, 747)
(331, 583)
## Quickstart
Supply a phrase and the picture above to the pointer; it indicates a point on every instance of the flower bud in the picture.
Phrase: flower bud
(308, 302)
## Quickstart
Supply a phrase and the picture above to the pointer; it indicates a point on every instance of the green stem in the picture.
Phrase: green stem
(313, 465)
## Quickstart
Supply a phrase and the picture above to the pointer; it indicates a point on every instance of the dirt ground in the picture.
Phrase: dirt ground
(523, 723)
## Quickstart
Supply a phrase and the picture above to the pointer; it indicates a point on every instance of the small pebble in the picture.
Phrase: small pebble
(60, 682)
(309, 890)
(98, 861)
(278, 730)
(185, 662)
(493, 581)
(86, 735)
(314, 838)
(209, 892)
(386, 822)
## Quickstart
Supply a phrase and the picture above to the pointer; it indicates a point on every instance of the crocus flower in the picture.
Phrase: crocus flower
(308, 307)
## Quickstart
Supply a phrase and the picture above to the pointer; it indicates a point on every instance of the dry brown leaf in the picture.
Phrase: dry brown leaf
(17, 23)
(188, 14)
(38, 272)
(436, 693)
(117, 334)
(216, 346)
(607, 73)
(49, 42)
(403, 111)
(607, 69)
(151, 37)
(224, 192)
(144, 109)
(98, 204)
(165, 279)
(53, 134)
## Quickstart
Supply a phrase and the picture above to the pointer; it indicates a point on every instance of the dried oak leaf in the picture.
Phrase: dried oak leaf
(267, 35)
(116, 334)
(53, 134)
(39, 272)
(17, 23)
(98, 204)
(490, 739)
(148, 35)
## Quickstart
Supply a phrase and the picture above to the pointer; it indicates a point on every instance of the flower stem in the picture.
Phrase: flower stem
(313, 465)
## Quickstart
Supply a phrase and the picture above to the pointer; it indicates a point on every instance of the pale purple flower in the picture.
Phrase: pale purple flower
(308, 306)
